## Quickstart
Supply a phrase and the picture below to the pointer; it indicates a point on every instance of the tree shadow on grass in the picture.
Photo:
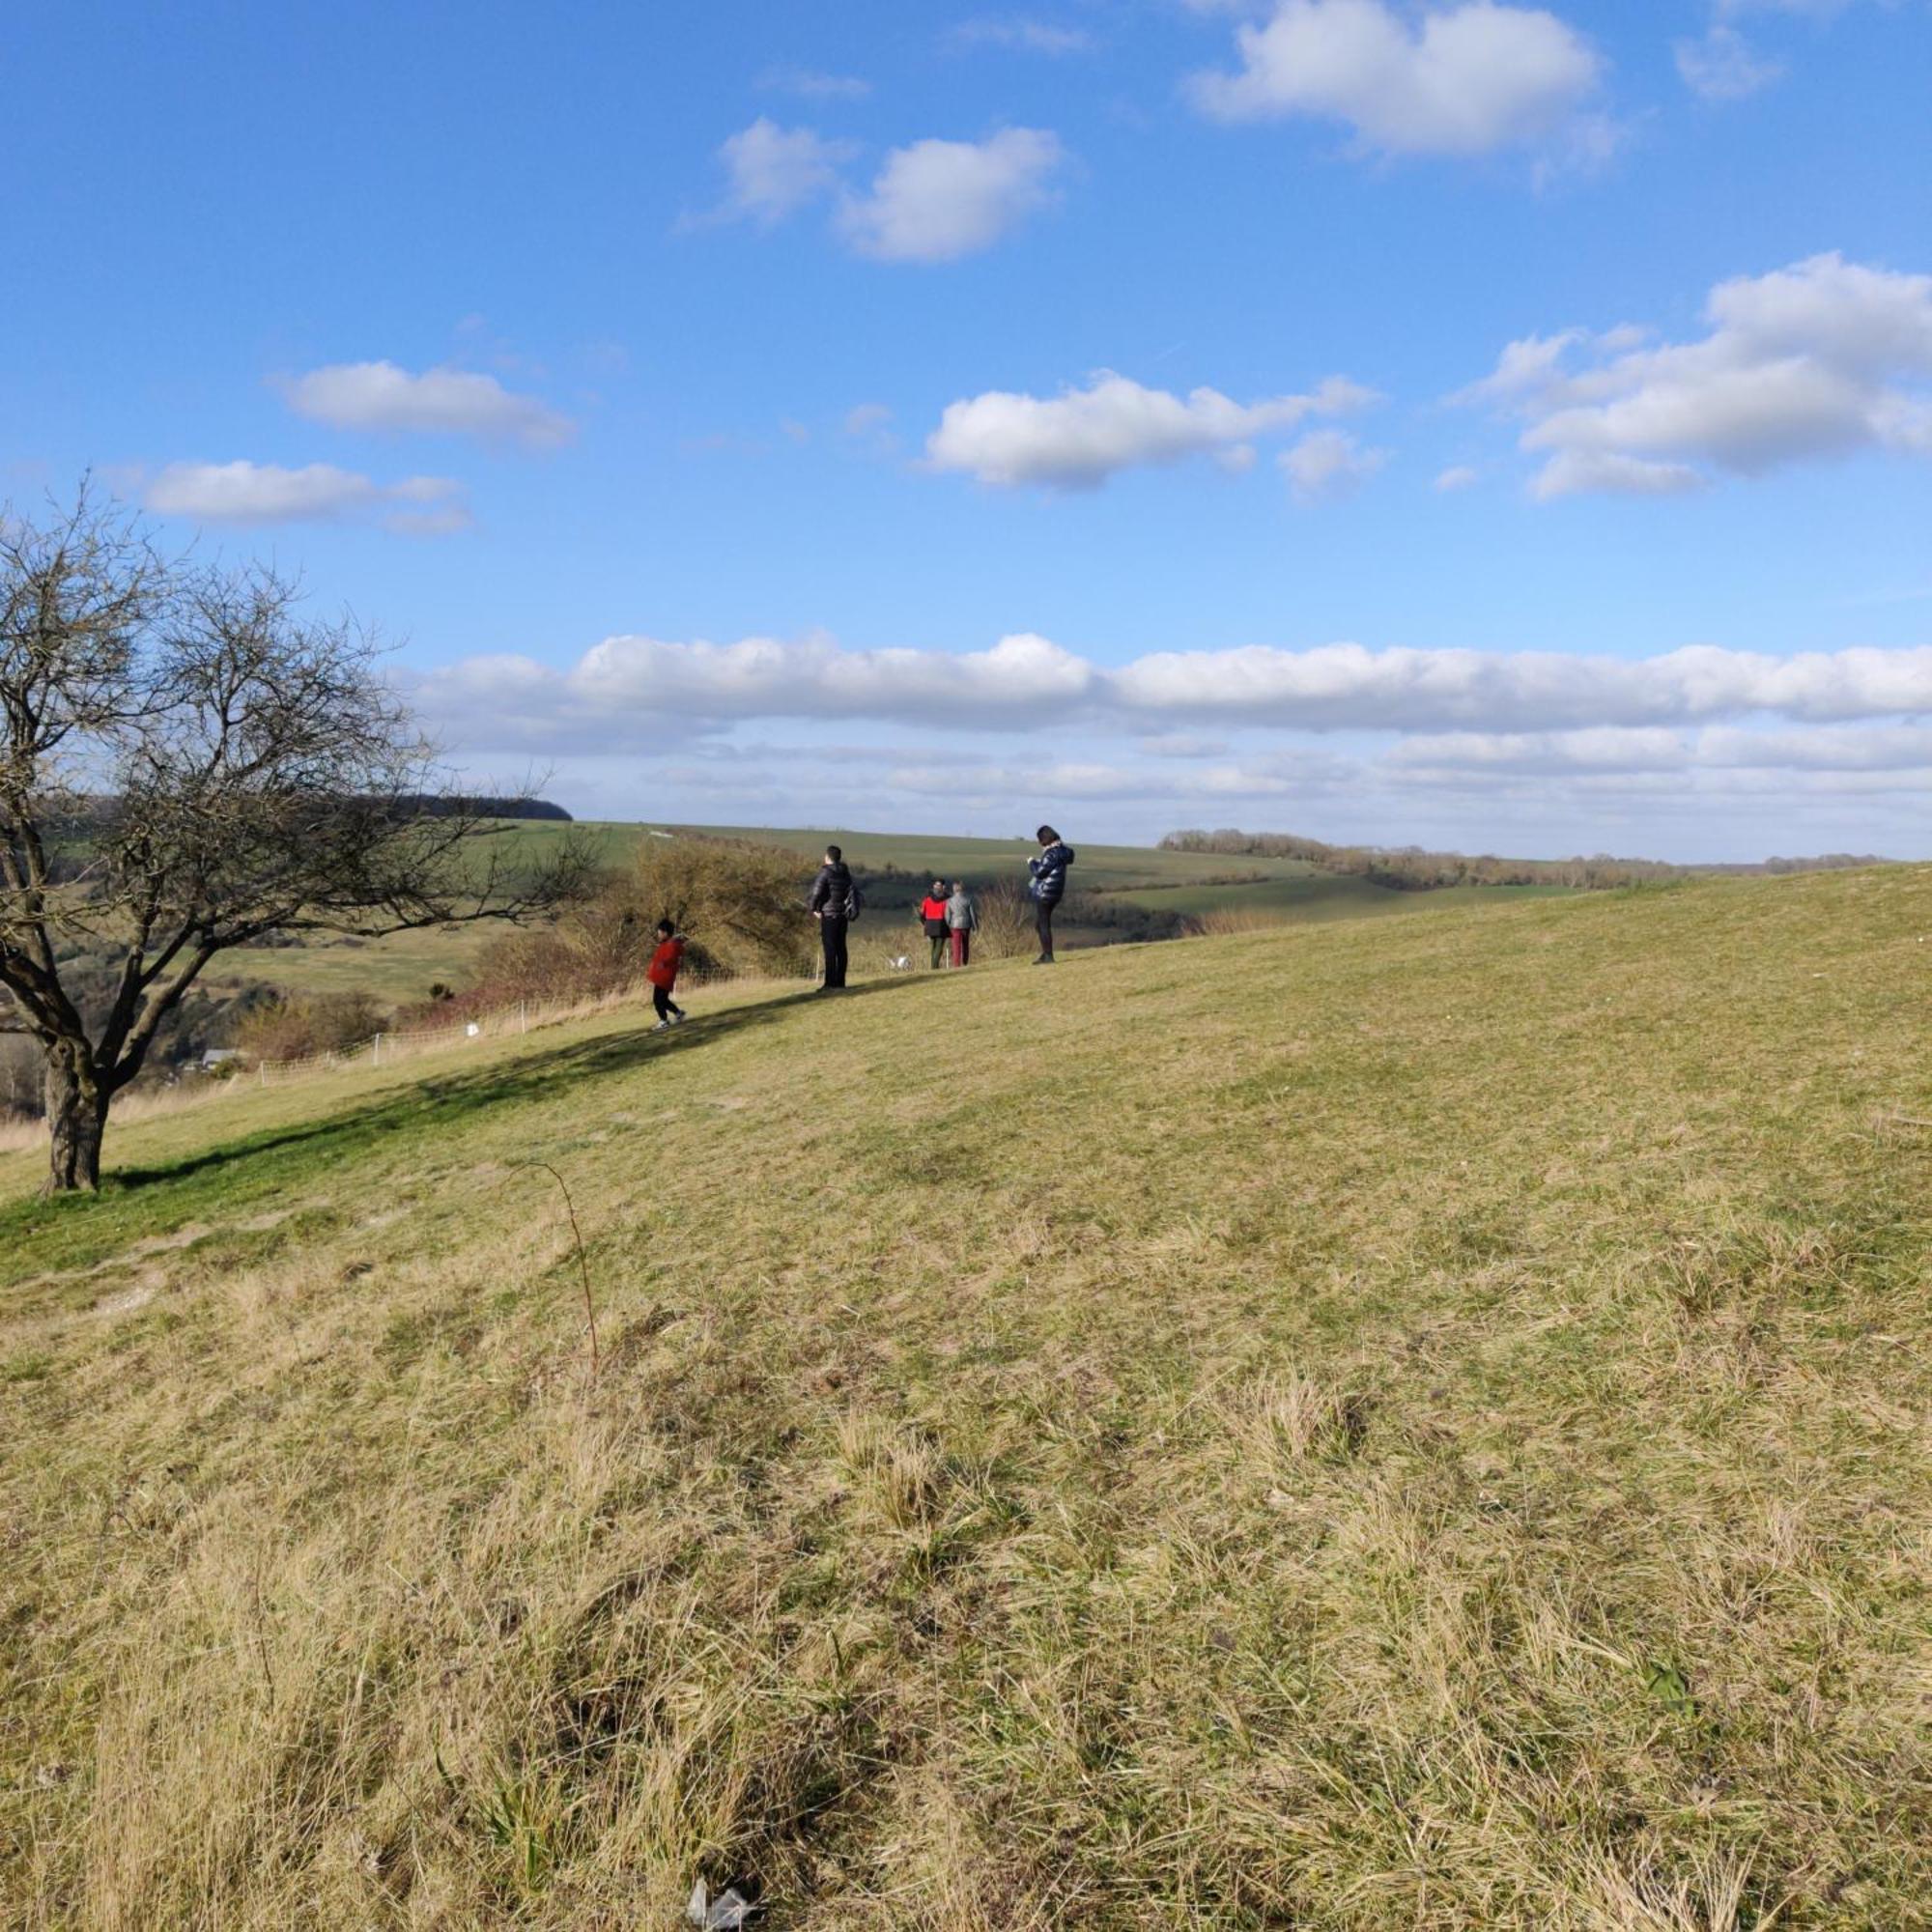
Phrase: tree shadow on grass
(254, 1166)
(436, 1103)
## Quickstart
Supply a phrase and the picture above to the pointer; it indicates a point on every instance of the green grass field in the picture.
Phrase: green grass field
(1411, 1423)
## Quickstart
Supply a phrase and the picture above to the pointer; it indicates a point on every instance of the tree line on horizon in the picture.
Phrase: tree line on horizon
(1412, 868)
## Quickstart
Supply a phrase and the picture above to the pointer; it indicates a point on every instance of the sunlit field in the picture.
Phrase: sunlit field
(1406, 1423)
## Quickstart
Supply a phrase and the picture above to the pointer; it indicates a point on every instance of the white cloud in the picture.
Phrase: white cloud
(1080, 438)
(813, 84)
(1819, 359)
(1342, 687)
(265, 492)
(765, 677)
(623, 691)
(936, 201)
(1461, 80)
(441, 402)
(1327, 463)
(933, 201)
(776, 171)
(1656, 749)
(1700, 753)
(1722, 67)
(869, 425)
(1458, 477)
(1525, 368)
(1021, 34)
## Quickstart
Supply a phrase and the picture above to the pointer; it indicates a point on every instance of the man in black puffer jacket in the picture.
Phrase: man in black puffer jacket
(831, 903)
(1048, 887)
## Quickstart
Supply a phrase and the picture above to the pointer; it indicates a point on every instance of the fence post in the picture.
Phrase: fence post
(376, 1051)
(523, 1018)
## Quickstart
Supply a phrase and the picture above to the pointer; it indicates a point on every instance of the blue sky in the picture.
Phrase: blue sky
(700, 396)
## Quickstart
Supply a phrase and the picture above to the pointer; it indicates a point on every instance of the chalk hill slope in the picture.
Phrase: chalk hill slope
(1418, 1423)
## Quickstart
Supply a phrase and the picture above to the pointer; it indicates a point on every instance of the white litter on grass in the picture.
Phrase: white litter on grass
(126, 1303)
(724, 1914)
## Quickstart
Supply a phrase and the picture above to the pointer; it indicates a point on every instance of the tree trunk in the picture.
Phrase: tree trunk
(76, 1116)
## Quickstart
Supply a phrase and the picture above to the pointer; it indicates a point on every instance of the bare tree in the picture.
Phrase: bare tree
(188, 765)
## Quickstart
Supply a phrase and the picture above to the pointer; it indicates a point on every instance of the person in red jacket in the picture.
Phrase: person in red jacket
(932, 917)
(661, 973)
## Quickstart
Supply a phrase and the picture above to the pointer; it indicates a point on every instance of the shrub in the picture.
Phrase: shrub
(1225, 921)
(293, 1026)
(1005, 921)
(741, 905)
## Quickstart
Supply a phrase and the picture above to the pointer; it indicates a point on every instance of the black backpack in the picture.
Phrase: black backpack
(854, 900)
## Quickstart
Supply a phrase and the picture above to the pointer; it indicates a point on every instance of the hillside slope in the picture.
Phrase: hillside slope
(402, 967)
(1412, 1423)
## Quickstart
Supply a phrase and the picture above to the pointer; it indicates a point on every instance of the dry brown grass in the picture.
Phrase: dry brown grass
(1232, 922)
(1420, 1425)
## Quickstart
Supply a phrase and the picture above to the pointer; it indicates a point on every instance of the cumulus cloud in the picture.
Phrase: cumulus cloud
(772, 172)
(936, 201)
(1078, 439)
(931, 201)
(1340, 687)
(267, 492)
(630, 688)
(439, 402)
(1328, 463)
(1823, 358)
(1699, 752)
(1721, 65)
(1461, 80)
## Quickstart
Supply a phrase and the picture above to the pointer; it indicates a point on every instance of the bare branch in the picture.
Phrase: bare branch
(187, 764)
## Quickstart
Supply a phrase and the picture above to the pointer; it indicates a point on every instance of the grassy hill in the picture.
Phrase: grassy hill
(400, 969)
(1409, 1423)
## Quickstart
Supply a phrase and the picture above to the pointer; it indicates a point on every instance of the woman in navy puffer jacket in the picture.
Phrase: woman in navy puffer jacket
(1048, 887)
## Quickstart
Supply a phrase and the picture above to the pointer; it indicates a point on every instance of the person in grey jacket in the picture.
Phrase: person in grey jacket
(962, 922)
(1048, 886)
(831, 903)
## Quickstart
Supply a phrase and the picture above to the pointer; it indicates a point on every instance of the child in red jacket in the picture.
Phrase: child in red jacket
(932, 917)
(661, 973)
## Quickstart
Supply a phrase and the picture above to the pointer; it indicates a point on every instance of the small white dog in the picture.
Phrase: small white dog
(900, 962)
